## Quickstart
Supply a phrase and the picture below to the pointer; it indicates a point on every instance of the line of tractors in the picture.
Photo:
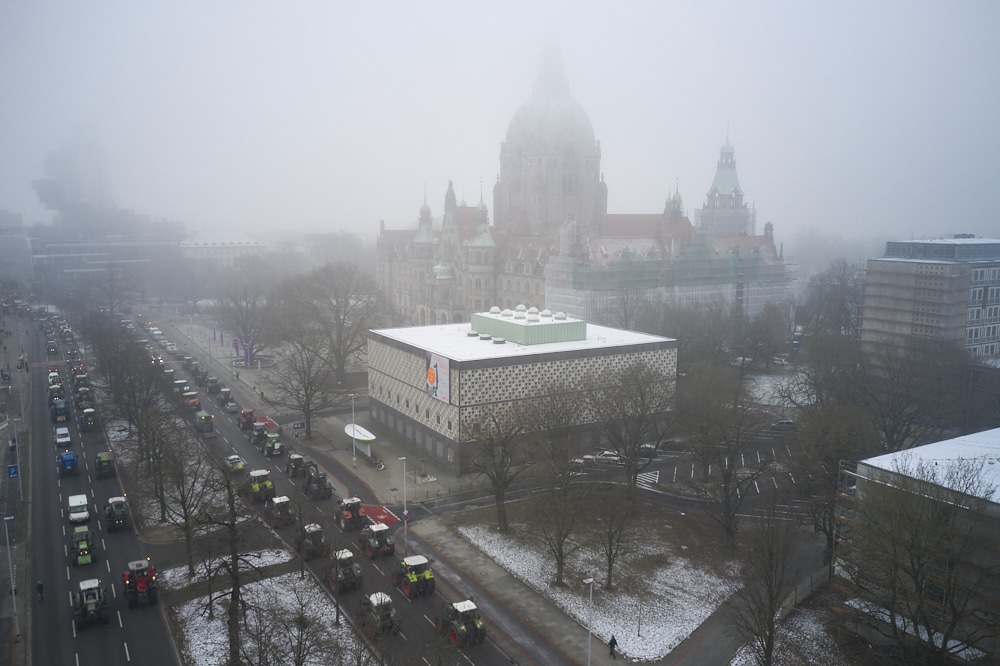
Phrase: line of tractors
(90, 601)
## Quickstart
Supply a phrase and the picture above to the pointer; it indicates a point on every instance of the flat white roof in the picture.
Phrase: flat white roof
(454, 342)
(983, 446)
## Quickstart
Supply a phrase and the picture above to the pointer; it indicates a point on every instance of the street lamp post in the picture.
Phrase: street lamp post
(590, 616)
(10, 564)
(354, 441)
(17, 453)
(406, 514)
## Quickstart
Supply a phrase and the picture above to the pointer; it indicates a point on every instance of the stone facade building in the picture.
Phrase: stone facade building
(554, 245)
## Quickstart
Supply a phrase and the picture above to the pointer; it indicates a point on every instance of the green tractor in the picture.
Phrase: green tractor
(82, 550)
(278, 512)
(257, 434)
(342, 572)
(212, 385)
(375, 541)
(260, 487)
(104, 466)
(88, 421)
(414, 577)
(376, 615)
(461, 623)
(117, 514)
(271, 445)
(311, 542)
(90, 604)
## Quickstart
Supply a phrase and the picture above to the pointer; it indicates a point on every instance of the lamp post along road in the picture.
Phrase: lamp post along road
(406, 514)
(10, 564)
(354, 441)
(590, 616)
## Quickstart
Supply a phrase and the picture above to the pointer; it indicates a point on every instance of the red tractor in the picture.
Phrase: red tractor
(352, 515)
(140, 583)
(246, 419)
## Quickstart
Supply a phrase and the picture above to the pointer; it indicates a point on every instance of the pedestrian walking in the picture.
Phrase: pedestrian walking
(41, 590)
(613, 643)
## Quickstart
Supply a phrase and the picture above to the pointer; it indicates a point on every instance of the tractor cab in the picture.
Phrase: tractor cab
(352, 514)
(272, 446)
(311, 542)
(140, 583)
(278, 511)
(414, 576)
(261, 487)
(376, 615)
(83, 546)
(67, 463)
(258, 433)
(90, 604)
(105, 464)
(376, 541)
(88, 421)
(246, 419)
(342, 572)
(117, 514)
(295, 465)
(461, 623)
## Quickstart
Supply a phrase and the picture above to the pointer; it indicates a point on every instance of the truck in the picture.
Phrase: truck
(204, 423)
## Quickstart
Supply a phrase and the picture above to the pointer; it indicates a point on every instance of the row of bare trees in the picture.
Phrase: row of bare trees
(176, 483)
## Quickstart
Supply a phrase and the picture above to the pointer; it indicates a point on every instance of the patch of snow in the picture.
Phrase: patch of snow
(803, 640)
(676, 598)
(177, 578)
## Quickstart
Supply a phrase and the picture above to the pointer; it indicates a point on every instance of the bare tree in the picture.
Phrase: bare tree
(243, 311)
(830, 435)
(833, 300)
(767, 582)
(917, 550)
(719, 423)
(702, 331)
(346, 304)
(632, 410)
(621, 308)
(499, 452)
(302, 375)
(613, 518)
(560, 503)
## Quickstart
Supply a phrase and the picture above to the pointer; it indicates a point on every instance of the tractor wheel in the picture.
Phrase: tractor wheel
(343, 524)
(480, 636)
(453, 636)
(430, 587)
(392, 549)
(437, 623)
(394, 578)
(371, 553)
(407, 588)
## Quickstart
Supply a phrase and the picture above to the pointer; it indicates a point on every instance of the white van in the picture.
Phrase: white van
(78, 509)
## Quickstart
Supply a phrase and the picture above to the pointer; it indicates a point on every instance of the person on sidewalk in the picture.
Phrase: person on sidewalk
(613, 643)
(40, 589)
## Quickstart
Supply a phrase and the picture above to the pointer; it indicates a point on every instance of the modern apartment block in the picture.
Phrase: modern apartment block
(943, 290)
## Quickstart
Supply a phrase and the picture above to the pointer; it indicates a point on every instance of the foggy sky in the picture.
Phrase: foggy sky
(854, 119)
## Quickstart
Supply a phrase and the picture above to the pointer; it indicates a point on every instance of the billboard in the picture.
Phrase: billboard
(437, 377)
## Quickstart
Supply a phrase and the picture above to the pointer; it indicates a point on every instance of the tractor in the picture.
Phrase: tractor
(376, 615)
(414, 576)
(105, 465)
(83, 399)
(257, 434)
(82, 549)
(246, 419)
(461, 623)
(212, 385)
(311, 542)
(342, 572)
(90, 604)
(140, 583)
(271, 445)
(295, 465)
(117, 514)
(376, 541)
(225, 395)
(88, 421)
(352, 514)
(260, 487)
(67, 463)
(278, 512)
(316, 485)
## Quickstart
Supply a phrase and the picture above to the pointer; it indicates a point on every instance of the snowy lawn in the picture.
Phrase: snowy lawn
(804, 640)
(177, 578)
(649, 617)
(284, 617)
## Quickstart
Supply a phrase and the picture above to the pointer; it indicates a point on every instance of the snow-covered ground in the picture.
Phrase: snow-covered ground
(804, 640)
(677, 597)
(283, 613)
(177, 578)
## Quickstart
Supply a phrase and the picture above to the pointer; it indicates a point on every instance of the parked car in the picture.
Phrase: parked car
(783, 424)
(777, 360)
(741, 362)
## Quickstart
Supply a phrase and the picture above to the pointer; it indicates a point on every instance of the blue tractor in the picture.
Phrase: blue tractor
(67, 463)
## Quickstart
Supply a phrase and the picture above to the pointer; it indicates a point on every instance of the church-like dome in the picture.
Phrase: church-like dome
(551, 121)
